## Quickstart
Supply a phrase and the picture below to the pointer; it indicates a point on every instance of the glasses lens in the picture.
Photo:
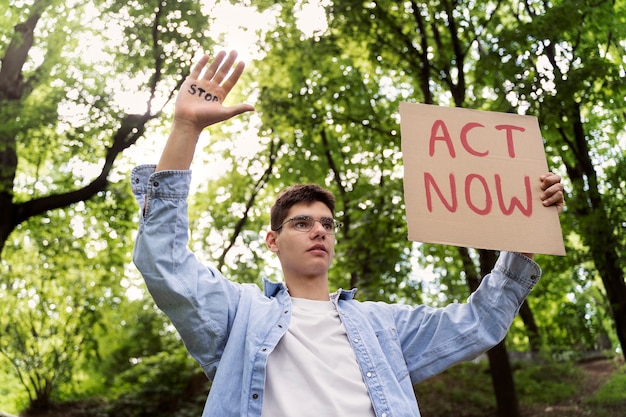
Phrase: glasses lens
(303, 223)
(306, 223)
(328, 224)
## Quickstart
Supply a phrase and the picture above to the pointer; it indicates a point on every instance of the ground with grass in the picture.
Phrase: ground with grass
(594, 388)
(601, 393)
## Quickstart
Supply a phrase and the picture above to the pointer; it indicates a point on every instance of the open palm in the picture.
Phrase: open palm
(199, 102)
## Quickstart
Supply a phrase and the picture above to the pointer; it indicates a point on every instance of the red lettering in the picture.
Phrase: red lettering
(445, 136)
(468, 194)
(429, 182)
(515, 202)
(469, 126)
(509, 136)
(477, 195)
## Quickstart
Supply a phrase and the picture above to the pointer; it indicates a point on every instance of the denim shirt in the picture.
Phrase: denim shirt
(231, 329)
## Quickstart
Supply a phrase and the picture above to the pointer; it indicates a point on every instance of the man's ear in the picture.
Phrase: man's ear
(270, 240)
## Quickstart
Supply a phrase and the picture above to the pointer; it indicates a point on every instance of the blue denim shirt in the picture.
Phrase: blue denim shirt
(231, 328)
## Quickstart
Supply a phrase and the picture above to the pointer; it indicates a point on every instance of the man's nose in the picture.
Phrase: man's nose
(318, 229)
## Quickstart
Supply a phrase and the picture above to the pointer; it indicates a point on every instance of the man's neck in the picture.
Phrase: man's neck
(308, 288)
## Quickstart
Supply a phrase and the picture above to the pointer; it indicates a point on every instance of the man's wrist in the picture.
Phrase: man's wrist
(185, 130)
(180, 146)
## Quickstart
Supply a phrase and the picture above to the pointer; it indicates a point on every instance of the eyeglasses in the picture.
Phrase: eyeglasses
(306, 223)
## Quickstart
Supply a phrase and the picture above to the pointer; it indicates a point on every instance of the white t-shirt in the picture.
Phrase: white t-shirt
(313, 370)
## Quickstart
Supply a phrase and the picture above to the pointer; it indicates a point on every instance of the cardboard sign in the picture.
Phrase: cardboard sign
(471, 178)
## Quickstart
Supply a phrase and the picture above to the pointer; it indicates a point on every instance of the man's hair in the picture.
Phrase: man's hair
(300, 193)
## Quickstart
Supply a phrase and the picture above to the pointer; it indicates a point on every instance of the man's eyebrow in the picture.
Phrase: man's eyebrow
(306, 216)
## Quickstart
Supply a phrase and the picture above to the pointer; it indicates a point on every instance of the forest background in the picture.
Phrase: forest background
(86, 91)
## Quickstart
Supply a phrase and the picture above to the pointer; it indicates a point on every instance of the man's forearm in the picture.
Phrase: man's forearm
(179, 148)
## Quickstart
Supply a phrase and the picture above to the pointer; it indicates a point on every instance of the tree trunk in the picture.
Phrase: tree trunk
(503, 383)
(12, 92)
(499, 363)
(597, 231)
(532, 330)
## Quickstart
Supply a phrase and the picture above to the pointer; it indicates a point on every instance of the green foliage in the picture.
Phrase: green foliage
(65, 267)
(137, 332)
(613, 392)
(464, 390)
(338, 129)
(160, 385)
(11, 400)
(49, 306)
(547, 383)
(569, 308)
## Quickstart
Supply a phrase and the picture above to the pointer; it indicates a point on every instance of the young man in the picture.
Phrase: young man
(293, 349)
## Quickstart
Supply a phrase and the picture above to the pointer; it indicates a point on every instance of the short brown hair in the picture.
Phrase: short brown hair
(299, 193)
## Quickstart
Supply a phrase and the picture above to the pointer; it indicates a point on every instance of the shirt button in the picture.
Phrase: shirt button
(533, 277)
(356, 340)
(369, 374)
(155, 183)
(383, 415)
(255, 396)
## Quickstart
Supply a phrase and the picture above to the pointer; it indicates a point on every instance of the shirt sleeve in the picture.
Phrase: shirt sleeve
(199, 301)
(434, 339)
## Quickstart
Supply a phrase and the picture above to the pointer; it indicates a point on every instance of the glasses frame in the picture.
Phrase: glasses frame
(336, 225)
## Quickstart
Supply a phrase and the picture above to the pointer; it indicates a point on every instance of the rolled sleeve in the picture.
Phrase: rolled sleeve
(168, 185)
(519, 268)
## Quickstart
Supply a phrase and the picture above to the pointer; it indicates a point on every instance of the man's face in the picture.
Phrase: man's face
(304, 254)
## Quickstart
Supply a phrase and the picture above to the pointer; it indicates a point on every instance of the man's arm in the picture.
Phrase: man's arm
(552, 194)
(198, 105)
(198, 299)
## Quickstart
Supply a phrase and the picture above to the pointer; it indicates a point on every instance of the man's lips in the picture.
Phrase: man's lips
(317, 247)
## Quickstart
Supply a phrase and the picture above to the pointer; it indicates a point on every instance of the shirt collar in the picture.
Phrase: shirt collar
(271, 289)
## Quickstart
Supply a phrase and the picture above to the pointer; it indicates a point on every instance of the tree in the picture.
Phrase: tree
(572, 79)
(40, 143)
(64, 231)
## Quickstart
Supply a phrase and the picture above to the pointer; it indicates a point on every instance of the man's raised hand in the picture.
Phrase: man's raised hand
(198, 105)
(199, 101)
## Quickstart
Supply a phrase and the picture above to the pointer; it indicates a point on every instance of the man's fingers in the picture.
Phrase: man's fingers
(552, 191)
(197, 69)
(212, 69)
(553, 198)
(225, 67)
(233, 77)
(549, 179)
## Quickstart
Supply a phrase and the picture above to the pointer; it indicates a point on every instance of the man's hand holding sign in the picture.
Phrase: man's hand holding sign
(479, 179)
